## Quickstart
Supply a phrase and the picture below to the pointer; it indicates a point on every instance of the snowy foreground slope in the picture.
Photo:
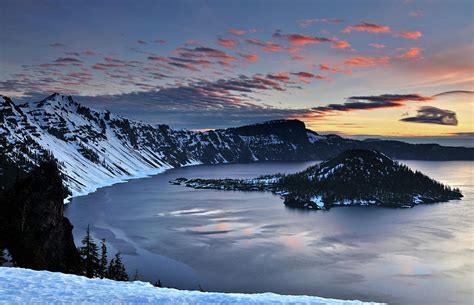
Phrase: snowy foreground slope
(24, 286)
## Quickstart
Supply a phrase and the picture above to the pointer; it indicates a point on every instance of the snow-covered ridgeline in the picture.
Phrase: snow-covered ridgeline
(97, 149)
(24, 286)
(92, 150)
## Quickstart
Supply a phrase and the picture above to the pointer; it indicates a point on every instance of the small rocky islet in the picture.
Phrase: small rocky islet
(353, 178)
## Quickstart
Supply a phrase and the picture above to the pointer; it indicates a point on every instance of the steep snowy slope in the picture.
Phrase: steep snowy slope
(24, 286)
(97, 148)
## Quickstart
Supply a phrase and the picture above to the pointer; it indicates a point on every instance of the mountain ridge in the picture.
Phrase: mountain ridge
(97, 148)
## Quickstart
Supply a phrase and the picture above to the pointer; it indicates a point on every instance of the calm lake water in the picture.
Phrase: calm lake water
(250, 242)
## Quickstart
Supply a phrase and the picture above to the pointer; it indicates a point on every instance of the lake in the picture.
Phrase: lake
(250, 242)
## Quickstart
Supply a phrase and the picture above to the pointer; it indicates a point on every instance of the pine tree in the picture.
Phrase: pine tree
(136, 276)
(90, 257)
(103, 260)
(117, 269)
(158, 284)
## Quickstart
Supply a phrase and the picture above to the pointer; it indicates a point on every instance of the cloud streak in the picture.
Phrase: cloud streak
(385, 29)
(367, 27)
(355, 103)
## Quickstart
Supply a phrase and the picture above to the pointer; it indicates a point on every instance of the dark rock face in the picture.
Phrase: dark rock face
(288, 130)
(33, 227)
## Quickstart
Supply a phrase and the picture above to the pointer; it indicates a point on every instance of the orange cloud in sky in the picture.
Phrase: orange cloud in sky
(229, 43)
(240, 32)
(340, 44)
(367, 61)
(411, 53)
(326, 67)
(408, 35)
(322, 77)
(271, 47)
(367, 27)
(297, 57)
(249, 57)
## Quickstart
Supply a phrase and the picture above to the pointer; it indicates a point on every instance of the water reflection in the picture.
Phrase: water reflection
(249, 242)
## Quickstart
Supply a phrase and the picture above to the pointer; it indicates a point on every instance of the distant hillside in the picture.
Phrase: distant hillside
(98, 148)
(354, 177)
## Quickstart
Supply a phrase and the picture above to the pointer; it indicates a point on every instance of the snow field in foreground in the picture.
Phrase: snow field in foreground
(25, 286)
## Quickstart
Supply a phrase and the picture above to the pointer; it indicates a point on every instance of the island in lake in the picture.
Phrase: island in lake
(354, 177)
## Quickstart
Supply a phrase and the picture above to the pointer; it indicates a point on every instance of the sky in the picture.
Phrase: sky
(356, 68)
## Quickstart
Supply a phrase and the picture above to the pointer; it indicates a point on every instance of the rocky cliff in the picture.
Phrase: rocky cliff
(32, 223)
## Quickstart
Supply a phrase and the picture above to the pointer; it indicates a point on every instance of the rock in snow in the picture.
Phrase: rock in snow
(26, 286)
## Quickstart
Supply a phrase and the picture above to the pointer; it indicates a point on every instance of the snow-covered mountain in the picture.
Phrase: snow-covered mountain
(98, 148)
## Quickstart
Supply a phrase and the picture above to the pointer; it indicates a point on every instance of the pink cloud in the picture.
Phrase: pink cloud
(240, 32)
(297, 57)
(249, 57)
(271, 47)
(322, 77)
(367, 27)
(411, 53)
(326, 67)
(408, 35)
(340, 44)
(229, 43)
(366, 61)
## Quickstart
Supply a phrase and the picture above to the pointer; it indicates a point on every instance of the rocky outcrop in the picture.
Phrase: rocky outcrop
(32, 223)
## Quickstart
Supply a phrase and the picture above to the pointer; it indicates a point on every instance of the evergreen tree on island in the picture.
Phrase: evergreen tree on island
(90, 256)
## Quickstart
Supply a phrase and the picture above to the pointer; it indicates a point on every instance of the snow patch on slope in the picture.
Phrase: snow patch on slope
(24, 286)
